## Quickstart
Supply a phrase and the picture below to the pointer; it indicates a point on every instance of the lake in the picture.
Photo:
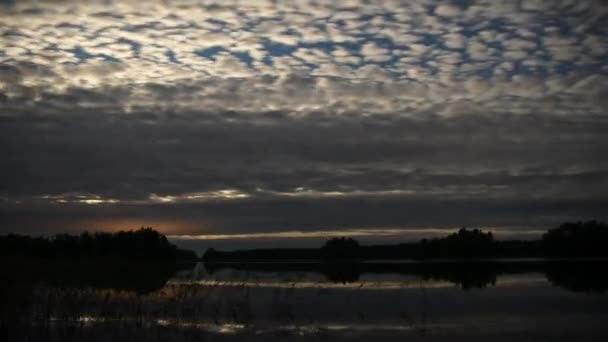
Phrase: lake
(528, 300)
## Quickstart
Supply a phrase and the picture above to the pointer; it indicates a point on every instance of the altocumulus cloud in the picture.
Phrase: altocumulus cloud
(207, 117)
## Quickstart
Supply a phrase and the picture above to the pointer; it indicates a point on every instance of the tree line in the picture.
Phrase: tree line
(144, 243)
(569, 240)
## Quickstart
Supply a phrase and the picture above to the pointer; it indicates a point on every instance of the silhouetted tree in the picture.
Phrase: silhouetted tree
(462, 244)
(339, 248)
(577, 239)
(589, 239)
(139, 244)
(210, 254)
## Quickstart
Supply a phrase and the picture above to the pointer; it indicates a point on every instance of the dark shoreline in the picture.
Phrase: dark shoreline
(569, 240)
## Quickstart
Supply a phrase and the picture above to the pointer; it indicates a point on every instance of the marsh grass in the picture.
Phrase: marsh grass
(241, 305)
(183, 311)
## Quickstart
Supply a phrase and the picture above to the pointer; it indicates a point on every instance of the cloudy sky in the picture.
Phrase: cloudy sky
(288, 120)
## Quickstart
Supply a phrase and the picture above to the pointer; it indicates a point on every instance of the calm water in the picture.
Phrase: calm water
(282, 302)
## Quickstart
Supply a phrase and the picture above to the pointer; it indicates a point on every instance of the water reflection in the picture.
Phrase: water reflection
(578, 276)
(264, 302)
(20, 288)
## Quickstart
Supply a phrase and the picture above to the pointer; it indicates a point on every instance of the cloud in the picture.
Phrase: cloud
(447, 10)
(118, 109)
(179, 46)
(454, 41)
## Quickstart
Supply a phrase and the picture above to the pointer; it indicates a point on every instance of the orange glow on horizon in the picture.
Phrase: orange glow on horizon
(164, 226)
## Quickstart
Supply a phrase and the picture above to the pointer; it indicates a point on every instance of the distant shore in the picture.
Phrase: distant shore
(578, 240)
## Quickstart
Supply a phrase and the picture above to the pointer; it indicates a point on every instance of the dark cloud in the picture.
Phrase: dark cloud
(498, 170)
(303, 115)
(176, 155)
(273, 215)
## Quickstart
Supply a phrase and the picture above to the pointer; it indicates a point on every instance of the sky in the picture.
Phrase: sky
(285, 122)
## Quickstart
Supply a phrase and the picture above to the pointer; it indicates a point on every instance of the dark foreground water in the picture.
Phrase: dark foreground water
(528, 301)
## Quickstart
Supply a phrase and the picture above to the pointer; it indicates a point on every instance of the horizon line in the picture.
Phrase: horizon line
(365, 232)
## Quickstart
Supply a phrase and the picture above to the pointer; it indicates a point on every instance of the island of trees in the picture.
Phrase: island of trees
(141, 260)
(569, 240)
(144, 243)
